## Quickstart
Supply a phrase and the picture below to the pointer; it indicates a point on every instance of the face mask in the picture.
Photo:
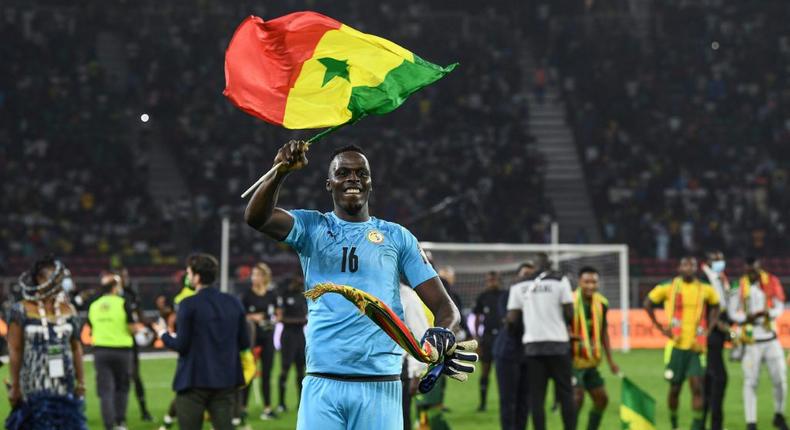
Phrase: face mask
(67, 284)
(718, 266)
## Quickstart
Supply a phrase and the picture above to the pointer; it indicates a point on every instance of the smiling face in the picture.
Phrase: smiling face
(588, 283)
(350, 183)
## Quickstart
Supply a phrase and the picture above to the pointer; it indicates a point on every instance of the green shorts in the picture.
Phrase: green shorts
(683, 364)
(587, 379)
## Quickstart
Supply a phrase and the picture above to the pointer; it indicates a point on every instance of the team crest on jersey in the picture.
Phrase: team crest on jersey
(375, 236)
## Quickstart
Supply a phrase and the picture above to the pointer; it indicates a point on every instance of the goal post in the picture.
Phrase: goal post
(470, 263)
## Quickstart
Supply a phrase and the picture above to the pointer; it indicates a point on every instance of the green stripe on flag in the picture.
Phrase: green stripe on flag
(397, 86)
(637, 408)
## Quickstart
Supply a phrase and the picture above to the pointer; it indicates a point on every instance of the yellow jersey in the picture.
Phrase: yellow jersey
(684, 305)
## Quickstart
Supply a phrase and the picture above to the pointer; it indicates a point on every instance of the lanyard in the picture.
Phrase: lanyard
(58, 318)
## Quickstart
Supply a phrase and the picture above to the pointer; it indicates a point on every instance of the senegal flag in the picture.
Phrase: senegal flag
(306, 70)
(637, 408)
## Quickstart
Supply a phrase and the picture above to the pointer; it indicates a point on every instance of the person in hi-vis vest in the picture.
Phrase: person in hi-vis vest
(111, 328)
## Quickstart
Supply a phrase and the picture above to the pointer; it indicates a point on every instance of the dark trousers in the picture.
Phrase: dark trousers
(511, 375)
(266, 342)
(540, 369)
(113, 373)
(139, 389)
(715, 380)
(292, 353)
(406, 399)
(193, 403)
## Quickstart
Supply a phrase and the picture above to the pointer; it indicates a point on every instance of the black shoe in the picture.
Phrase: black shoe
(779, 422)
(146, 416)
(481, 408)
(751, 426)
(268, 415)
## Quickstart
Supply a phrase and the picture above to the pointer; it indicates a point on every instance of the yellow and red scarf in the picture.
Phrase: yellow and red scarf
(676, 312)
(772, 289)
(587, 351)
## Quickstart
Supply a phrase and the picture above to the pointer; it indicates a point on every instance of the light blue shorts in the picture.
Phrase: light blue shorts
(329, 404)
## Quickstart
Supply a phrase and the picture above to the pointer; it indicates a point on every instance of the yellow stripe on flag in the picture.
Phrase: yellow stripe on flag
(633, 421)
(370, 58)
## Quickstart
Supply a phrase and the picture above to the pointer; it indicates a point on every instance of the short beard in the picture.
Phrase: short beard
(354, 209)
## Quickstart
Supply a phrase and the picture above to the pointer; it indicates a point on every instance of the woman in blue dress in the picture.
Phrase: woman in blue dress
(45, 354)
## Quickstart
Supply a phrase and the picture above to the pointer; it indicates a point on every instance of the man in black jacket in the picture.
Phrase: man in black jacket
(211, 331)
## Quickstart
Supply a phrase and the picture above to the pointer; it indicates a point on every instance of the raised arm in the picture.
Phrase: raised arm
(262, 213)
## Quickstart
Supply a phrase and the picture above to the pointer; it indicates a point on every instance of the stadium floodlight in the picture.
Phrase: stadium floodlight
(471, 262)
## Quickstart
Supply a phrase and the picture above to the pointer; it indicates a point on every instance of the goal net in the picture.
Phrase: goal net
(471, 262)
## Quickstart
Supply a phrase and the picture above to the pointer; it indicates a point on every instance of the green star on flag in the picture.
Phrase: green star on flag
(334, 68)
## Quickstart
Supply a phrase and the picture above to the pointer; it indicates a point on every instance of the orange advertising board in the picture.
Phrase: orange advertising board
(643, 335)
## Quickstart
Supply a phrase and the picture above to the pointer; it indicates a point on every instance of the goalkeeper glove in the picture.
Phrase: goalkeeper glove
(457, 365)
(461, 362)
(438, 342)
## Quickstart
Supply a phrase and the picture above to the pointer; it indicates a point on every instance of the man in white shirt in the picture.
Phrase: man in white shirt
(758, 301)
(545, 304)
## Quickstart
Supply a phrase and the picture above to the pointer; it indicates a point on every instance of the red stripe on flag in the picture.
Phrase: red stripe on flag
(264, 59)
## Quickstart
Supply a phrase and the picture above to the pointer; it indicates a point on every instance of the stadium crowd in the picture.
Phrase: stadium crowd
(83, 157)
(661, 118)
(71, 182)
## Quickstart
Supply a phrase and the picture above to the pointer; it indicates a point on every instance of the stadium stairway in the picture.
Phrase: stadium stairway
(166, 185)
(565, 184)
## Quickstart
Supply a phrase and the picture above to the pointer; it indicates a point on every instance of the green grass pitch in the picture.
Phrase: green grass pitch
(644, 367)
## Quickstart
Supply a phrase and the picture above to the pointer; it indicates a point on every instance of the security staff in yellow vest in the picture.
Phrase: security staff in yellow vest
(112, 327)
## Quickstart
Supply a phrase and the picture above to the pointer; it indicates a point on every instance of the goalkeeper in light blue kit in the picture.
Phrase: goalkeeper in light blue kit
(353, 367)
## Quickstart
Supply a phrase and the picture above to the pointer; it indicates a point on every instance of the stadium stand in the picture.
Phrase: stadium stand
(467, 138)
(661, 121)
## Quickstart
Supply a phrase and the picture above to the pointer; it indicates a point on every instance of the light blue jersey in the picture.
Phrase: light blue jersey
(371, 256)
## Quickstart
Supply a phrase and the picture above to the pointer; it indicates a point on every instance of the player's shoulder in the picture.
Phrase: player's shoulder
(391, 230)
(521, 285)
(604, 300)
(665, 283)
(309, 216)
(552, 275)
(385, 225)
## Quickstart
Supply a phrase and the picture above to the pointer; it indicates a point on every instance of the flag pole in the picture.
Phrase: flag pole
(266, 176)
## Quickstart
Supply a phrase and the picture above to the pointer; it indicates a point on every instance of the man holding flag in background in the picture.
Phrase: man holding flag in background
(691, 306)
(591, 342)
(758, 301)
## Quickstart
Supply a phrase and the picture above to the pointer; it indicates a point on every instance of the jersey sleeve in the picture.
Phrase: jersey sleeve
(412, 262)
(514, 302)
(658, 294)
(566, 293)
(711, 296)
(304, 222)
